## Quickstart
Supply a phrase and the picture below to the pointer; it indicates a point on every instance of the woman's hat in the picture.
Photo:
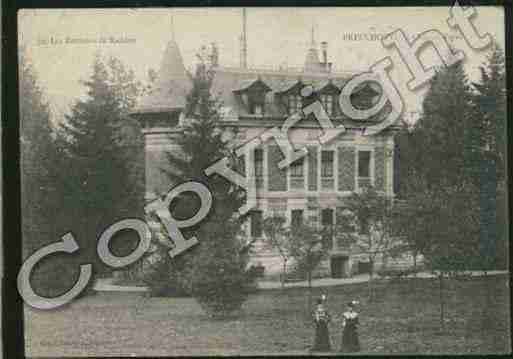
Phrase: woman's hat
(353, 303)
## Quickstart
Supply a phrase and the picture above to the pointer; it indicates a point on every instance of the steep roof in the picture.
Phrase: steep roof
(228, 80)
(171, 86)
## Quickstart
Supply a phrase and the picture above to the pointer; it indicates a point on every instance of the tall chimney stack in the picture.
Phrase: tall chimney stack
(324, 48)
(244, 45)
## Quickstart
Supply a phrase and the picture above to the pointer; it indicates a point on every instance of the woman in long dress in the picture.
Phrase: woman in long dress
(350, 342)
(322, 335)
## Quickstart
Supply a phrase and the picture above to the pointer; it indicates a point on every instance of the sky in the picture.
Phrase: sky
(275, 37)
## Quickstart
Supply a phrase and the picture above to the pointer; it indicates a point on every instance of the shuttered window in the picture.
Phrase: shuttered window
(346, 168)
(364, 163)
(259, 162)
(256, 223)
(296, 168)
(327, 163)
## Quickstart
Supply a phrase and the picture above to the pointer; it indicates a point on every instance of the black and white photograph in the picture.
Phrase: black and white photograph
(244, 181)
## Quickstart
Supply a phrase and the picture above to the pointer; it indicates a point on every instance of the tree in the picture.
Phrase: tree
(219, 275)
(38, 156)
(368, 224)
(276, 237)
(305, 244)
(101, 185)
(438, 182)
(437, 156)
(489, 167)
(40, 181)
(413, 221)
(431, 152)
(454, 235)
(490, 103)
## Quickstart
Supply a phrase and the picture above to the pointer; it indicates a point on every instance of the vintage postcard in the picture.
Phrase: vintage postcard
(263, 181)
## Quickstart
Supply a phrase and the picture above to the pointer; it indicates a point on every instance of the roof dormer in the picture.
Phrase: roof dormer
(252, 93)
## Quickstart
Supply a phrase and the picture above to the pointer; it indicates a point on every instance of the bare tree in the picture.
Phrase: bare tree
(306, 246)
(276, 237)
(368, 224)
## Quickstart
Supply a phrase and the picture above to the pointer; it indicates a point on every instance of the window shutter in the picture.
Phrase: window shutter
(379, 169)
(312, 168)
(277, 176)
(346, 168)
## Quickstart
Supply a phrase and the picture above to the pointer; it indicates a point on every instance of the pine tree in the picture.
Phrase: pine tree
(100, 186)
(219, 277)
(41, 184)
(41, 173)
(490, 104)
(447, 115)
(38, 154)
(439, 176)
(436, 155)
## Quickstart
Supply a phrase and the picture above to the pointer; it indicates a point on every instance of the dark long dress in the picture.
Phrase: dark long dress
(322, 335)
(350, 342)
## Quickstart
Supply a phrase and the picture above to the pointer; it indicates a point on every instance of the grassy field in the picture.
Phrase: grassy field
(405, 319)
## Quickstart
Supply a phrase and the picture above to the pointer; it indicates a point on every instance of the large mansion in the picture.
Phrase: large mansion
(255, 100)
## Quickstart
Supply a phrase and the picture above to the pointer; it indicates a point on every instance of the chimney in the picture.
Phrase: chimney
(324, 49)
(243, 41)
(214, 56)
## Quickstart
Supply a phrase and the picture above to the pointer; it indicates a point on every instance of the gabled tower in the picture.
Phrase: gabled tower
(159, 113)
(173, 83)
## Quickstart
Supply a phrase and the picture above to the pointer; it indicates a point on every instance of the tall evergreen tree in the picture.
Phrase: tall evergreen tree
(100, 186)
(41, 183)
(39, 172)
(490, 105)
(435, 156)
(447, 115)
(490, 102)
(441, 164)
(219, 276)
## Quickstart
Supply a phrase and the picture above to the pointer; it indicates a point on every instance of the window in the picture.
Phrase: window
(364, 169)
(256, 103)
(364, 225)
(327, 164)
(364, 164)
(256, 224)
(327, 223)
(296, 168)
(327, 102)
(259, 162)
(294, 104)
(296, 218)
(327, 217)
(256, 108)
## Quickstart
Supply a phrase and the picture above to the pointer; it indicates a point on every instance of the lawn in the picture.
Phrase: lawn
(405, 319)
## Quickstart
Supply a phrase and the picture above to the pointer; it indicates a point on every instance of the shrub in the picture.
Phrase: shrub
(169, 277)
(221, 280)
